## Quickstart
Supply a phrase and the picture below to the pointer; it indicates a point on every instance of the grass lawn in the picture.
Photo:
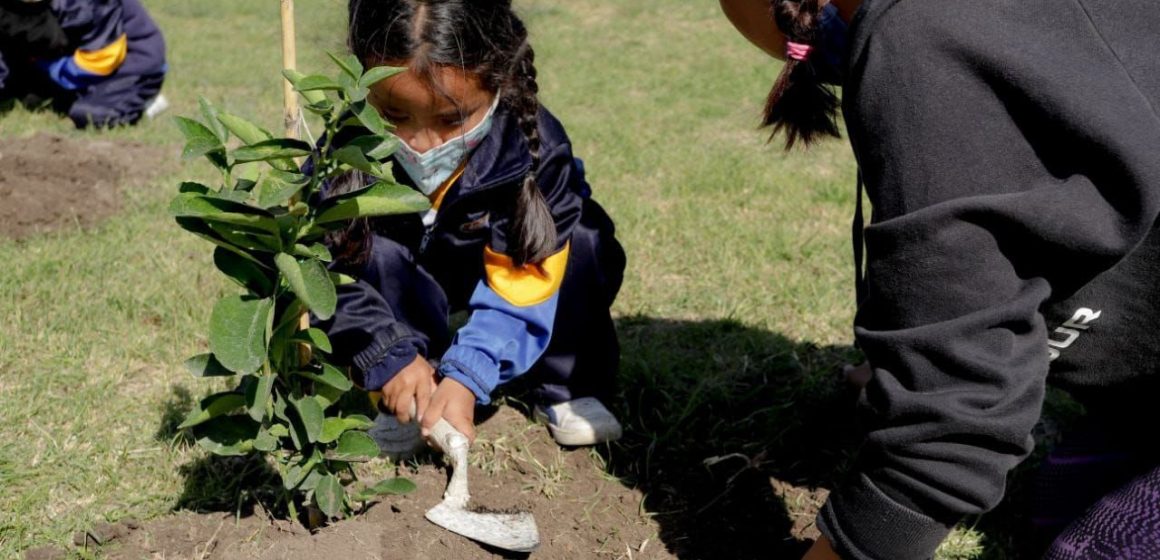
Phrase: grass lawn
(734, 315)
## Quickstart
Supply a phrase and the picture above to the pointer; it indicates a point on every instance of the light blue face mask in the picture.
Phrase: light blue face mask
(432, 168)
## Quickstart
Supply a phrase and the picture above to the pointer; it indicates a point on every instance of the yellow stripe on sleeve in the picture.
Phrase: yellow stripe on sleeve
(105, 60)
(528, 285)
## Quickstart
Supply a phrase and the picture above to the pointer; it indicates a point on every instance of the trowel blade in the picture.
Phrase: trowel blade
(508, 531)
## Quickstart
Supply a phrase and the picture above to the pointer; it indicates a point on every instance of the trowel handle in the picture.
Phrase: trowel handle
(448, 439)
(445, 437)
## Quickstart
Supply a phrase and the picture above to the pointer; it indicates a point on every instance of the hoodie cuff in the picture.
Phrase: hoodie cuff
(474, 369)
(863, 523)
(389, 366)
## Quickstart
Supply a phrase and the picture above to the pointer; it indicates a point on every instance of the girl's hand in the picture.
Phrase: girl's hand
(454, 403)
(413, 384)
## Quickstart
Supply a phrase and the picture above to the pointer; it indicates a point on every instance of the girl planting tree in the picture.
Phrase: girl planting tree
(1010, 150)
(513, 237)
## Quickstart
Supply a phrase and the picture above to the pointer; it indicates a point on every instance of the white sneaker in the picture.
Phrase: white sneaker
(579, 422)
(395, 440)
(156, 106)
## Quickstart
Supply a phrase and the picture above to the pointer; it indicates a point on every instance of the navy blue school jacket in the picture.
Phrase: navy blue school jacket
(466, 251)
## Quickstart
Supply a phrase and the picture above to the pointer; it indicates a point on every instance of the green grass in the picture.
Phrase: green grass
(735, 310)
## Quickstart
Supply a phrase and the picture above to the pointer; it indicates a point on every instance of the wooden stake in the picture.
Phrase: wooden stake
(291, 115)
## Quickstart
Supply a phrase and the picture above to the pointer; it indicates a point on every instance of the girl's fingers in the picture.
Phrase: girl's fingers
(423, 399)
(432, 414)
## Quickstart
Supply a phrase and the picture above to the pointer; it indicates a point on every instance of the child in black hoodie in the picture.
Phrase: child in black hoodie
(1011, 151)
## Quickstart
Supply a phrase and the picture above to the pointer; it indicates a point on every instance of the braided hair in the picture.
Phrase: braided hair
(488, 40)
(800, 103)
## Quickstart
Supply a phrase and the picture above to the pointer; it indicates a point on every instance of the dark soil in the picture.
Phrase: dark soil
(581, 513)
(53, 182)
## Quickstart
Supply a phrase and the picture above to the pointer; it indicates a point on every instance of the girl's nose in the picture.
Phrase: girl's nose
(424, 139)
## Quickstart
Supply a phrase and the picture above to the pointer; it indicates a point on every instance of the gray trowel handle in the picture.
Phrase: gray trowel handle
(445, 437)
(454, 444)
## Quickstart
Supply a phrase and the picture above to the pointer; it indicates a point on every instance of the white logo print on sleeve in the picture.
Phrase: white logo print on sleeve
(1064, 335)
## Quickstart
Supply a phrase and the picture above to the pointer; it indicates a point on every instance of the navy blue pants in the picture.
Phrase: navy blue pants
(583, 356)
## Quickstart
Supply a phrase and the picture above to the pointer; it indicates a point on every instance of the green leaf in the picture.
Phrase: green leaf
(369, 116)
(245, 272)
(276, 148)
(258, 396)
(310, 412)
(380, 199)
(354, 447)
(327, 395)
(211, 407)
(278, 431)
(376, 148)
(271, 192)
(316, 337)
(323, 107)
(330, 495)
(358, 422)
(215, 209)
(306, 85)
(331, 429)
(316, 82)
(205, 365)
(199, 140)
(374, 75)
(241, 244)
(310, 282)
(195, 188)
(298, 472)
(330, 376)
(311, 481)
(349, 64)
(354, 157)
(314, 251)
(210, 113)
(227, 435)
(341, 279)
(396, 486)
(245, 130)
(237, 332)
(264, 441)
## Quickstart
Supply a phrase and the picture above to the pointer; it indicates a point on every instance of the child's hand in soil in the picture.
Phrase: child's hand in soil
(413, 384)
(454, 403)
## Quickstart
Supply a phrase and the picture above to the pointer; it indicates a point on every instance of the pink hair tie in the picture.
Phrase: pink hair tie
(797, 51)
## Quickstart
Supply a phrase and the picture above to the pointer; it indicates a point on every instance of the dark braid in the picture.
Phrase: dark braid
(487, 39)
(800, 103)
(533, 228)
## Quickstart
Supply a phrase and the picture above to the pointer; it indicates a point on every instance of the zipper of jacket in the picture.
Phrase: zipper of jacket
(428, 230)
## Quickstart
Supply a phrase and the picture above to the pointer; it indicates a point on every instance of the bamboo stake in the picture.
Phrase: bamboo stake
(291, 114)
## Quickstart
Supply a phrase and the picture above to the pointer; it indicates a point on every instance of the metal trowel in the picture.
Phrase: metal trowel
(509, 531)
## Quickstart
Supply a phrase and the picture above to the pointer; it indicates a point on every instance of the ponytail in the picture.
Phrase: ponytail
(800, 103)
(533, 229)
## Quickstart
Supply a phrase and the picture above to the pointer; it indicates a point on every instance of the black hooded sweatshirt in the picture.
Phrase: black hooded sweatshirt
(1011, 153)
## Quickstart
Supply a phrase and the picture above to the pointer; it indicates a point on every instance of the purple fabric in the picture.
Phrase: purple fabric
(1091, 461)
(1124, 525)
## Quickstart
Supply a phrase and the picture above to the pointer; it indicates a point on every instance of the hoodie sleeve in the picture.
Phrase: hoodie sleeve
(1010, 154)
(513, 308)
(101, 43)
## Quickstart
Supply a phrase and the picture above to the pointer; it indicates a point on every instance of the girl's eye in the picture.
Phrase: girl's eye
(453, 122)
(394, 117)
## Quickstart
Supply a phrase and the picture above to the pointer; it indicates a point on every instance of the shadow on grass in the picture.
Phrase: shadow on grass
(173, 413)
(732, 433)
